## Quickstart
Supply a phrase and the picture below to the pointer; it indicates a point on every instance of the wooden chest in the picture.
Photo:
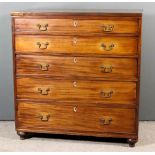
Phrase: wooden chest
(77, 73)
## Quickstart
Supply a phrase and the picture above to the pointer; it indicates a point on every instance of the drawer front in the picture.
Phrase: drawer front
(48, 117)
(76, 90)
(87, 67)
(73, 27)
(76, 45)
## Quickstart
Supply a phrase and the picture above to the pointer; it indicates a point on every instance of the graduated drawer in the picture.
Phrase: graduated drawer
(76, 90)
(51, 117)
(73, 27)
(75, 45)
(86, 67)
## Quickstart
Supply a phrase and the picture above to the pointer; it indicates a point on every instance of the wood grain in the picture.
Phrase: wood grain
(63, 117)
(74, 89)
(82, 14)
(79, 90)
(78, 45)
(77, 67)
(68, 27)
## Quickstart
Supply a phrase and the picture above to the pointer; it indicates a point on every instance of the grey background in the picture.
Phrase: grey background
(147, 105)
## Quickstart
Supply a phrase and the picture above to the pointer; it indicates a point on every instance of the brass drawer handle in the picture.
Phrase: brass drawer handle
(44, 67)
(105, 69)
(108, 28)
(44, 117)
(109, 48)
(105, 121)
(42, 27)
(43, 91)
(106, 94)
(42, 46)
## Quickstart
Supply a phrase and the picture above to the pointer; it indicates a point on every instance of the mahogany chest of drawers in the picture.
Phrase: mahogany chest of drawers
(77, 73)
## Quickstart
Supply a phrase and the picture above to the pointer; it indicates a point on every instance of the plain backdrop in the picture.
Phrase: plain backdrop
(147, 105)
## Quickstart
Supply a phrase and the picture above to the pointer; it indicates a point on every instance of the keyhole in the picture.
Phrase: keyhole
(75, 60)
(75, 23)
(74, 41)
(75, 109)
(74, 84)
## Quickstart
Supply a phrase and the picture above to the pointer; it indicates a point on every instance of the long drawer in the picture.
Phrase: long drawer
(86, 67)
(76, 45)
(48, 117)
(73, 26)
(76, 90)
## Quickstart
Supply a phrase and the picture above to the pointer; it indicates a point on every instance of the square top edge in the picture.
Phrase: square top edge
(101, 12)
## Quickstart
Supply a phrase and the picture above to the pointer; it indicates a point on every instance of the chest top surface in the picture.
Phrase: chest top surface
(92, 12)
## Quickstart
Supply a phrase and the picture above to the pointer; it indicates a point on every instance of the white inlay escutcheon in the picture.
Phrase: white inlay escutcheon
(75, 60)
(74, 84)
(75, 23)
(74, 41)
(75, 109)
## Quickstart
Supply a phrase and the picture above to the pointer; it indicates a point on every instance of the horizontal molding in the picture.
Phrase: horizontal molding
(88, 103)
(38, 76)
(72, 54)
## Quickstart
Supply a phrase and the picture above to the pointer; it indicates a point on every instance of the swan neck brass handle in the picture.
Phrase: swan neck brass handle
(43, 91)
(42, 46)
(106, 94)
(105, 121)
(107, 48)
(105, 69)
(108, 28)
(44, 67)
(44, 117)
(42, 27)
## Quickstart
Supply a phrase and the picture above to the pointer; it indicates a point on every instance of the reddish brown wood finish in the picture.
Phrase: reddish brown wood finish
(75, 118)
(75, 26)
(78, 45)
(71, 90)
(65, 78)
(124, 69)
(79, 14)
